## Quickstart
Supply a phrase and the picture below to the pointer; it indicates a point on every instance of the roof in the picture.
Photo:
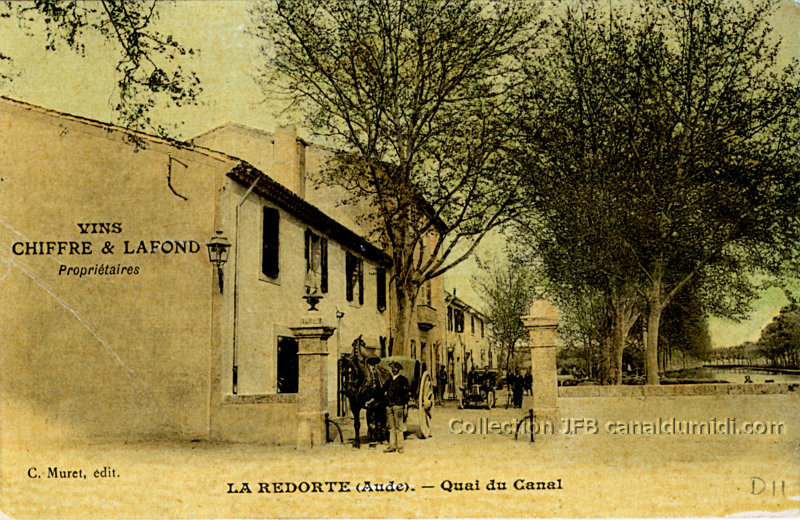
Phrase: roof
(148, 138)
(245, 174)
(287, 130)
(436, 221)
(452, 299)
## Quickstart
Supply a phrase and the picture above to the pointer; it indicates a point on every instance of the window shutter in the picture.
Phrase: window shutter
(349, 262)
(381, 294)
(360, 281)
(324, 265)
(308, 250)
(270, 245)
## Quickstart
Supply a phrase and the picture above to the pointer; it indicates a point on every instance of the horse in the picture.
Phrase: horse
(363, 381)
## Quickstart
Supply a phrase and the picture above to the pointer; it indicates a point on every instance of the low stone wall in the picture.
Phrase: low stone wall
(678, 390)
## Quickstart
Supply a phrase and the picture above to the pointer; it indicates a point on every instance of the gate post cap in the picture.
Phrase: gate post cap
(544, 309)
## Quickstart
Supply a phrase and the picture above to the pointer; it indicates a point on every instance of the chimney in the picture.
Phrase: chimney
(290, 160)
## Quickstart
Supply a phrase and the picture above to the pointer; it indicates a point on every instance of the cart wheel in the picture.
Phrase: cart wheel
(425, 401)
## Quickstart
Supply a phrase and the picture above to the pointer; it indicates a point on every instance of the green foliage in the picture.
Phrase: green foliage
(417, 94)
(780, 340)
(662, 149)
(508, 293)
(684, 329)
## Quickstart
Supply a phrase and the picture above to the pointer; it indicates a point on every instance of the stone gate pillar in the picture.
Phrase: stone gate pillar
(312, 392)
(542, 325)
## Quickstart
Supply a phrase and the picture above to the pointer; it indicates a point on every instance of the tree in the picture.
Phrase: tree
(416, 95)
(678, 133)
(147, 69)
(780, 339)
(587, 319)
(684, 330)
(508, 293)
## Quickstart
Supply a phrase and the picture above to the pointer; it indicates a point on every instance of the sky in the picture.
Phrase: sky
(228, 62)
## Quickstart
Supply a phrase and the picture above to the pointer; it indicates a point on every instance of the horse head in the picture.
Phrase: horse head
(358, 348)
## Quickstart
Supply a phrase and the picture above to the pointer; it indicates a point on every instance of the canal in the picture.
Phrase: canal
(737, 375)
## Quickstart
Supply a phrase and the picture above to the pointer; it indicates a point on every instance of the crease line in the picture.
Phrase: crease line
(64, 304)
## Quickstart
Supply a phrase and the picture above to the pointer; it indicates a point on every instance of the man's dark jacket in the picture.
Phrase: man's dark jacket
(398, 391)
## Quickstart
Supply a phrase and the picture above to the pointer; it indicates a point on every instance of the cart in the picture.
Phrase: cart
(480, 392)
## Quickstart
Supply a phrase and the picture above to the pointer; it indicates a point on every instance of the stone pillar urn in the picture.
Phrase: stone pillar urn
(312, 393)
(542, 325)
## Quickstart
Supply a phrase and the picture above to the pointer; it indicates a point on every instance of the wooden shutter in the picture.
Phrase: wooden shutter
(270, 244)
(360, 281)
(381, 295)
(323, 250)
(349, 266)
(308, 250)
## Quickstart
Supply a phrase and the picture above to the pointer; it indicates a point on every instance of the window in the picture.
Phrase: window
(481, 322)
(450, 319)
(354, 274)
(458, 318)
(269, 243)
(288, 370)
(472, 324)
(316, 263)
(381, 282)
(428, 296)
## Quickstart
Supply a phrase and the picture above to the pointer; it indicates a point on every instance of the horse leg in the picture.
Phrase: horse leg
(377, 424)
(381, 426)
(371, 424)
(356, 425)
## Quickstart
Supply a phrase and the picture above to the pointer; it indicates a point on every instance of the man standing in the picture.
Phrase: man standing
(397, 394)
(442, 383)
(519, 387)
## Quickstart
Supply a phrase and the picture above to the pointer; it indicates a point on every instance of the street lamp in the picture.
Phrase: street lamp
(218, 247)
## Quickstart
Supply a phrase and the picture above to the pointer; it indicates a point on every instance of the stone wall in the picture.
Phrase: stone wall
(677, 390)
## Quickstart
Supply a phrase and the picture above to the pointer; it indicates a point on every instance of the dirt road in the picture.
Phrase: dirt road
(607, 466)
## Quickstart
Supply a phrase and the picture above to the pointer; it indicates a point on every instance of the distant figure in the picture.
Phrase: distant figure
(442, 377)
(747, 379)
(529, 382)
(518, 388)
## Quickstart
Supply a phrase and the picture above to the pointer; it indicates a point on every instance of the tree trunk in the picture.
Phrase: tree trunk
(403, 313)
(644, 342)
(606, 360)
(623, 319)
(619, 346)
(653, 322)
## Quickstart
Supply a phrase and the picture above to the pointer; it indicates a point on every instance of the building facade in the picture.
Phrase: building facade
(119, 326)
(466, 345)
(298, 166)
(122, 328)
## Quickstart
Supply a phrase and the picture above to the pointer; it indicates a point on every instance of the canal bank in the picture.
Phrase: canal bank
(710, 389)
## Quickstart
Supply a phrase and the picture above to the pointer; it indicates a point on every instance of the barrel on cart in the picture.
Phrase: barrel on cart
(420, 405)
